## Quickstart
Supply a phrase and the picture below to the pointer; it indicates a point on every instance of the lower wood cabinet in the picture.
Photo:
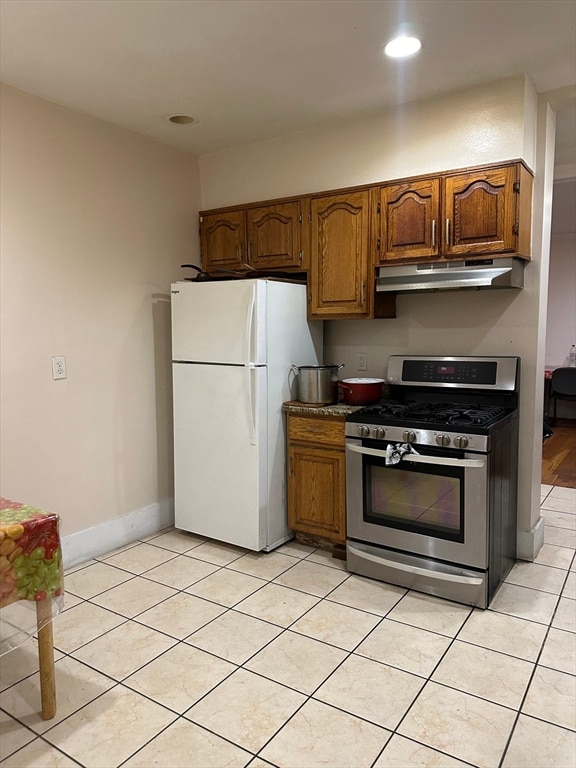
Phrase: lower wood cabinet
(317, 476)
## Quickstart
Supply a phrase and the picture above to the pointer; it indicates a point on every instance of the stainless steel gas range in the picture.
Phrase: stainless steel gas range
(431, 477)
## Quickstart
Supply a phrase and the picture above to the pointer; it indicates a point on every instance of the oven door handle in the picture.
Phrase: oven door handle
(418, 459)
(441, 575)
(445, 460)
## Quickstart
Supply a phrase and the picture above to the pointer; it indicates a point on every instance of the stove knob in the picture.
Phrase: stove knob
(378, 432)
(408, 436)
(363, 431)
(461, 441)
(443, 440)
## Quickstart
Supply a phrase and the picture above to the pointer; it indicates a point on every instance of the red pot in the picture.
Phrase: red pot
(361, 391)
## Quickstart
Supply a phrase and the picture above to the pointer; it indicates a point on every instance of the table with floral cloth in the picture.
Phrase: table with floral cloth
(31, 572)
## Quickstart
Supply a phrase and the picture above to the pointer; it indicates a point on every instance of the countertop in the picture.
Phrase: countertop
(338, 409)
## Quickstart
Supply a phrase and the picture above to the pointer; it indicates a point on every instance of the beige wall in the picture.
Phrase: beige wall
(561, 319)
(561, 328)
(95, 222)
(479, 125)
(491, 123)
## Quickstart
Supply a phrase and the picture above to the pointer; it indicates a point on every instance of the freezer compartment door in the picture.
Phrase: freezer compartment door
(219, 322)
(220, 458)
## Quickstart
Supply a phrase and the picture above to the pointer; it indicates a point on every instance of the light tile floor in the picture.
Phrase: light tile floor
(176, 651)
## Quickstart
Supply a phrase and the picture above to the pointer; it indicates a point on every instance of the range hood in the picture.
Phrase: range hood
(452, 275)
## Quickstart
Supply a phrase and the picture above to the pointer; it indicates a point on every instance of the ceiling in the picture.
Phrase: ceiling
(249, 70)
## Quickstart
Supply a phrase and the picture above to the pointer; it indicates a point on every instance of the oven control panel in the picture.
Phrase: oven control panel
(450, 373)
(399, 434)
(488, 373)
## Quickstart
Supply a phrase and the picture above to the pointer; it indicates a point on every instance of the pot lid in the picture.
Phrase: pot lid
(363, 381)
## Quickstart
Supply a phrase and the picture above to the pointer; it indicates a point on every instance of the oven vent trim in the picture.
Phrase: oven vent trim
(458, 275)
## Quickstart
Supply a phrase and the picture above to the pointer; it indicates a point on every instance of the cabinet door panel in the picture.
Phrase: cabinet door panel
(480, 213)
(223, 240)
(274, 236)
(340, 255)
(316, 491)
(408, 220)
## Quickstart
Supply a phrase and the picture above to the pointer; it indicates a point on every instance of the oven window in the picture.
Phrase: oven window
(428, 501)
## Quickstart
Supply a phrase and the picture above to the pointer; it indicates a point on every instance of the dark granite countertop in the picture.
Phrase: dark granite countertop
(338, 409)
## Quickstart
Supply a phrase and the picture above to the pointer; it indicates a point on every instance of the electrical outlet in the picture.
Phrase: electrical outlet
(59, 367)
(361, 361)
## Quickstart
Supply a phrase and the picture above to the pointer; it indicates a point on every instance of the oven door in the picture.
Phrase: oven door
(432, 504)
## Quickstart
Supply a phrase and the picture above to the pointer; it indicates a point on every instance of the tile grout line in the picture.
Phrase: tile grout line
(529, 683)
(270, 581)
(350, 653)
(426, 682)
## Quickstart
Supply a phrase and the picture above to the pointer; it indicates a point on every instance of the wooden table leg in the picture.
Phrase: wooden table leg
(46, 658)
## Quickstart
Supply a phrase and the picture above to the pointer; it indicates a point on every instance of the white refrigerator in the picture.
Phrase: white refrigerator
(233, 344)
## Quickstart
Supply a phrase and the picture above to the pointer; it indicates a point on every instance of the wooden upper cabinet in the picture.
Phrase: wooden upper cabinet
(223, 240)
(341, 278)
(409, 220)
(460, 215)
(274, 236)
(481, 212)
(339, 237)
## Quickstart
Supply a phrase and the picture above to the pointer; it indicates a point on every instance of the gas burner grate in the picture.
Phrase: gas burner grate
(384, 409)
(441, 414)
(479, 416)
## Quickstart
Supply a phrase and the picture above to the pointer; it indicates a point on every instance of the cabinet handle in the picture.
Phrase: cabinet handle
(291, 465)
(363, 293)
(248, 251)
(447, 231)
(433, 233)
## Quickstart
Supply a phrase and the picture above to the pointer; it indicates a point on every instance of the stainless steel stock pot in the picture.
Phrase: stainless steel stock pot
(317, 384)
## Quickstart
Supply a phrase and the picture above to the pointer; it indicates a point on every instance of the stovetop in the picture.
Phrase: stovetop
(471, 426)
(431, 415)
(451, 402)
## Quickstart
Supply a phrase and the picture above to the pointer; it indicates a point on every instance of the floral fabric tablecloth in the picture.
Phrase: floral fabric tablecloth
(30, 568)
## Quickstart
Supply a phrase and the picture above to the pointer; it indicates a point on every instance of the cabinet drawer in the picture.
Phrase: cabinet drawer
(325, 431)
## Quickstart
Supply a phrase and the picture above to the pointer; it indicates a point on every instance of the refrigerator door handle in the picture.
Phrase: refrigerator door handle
(249, 324)
(250, 368)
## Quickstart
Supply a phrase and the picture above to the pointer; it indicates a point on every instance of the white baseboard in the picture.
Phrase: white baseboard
(92, 542)
(529, 543)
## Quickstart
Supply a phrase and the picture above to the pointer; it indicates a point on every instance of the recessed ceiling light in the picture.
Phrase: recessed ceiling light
(402, 46)
(182, 119)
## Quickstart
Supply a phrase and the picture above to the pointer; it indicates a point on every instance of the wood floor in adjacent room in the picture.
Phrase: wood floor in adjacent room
(559, 455)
